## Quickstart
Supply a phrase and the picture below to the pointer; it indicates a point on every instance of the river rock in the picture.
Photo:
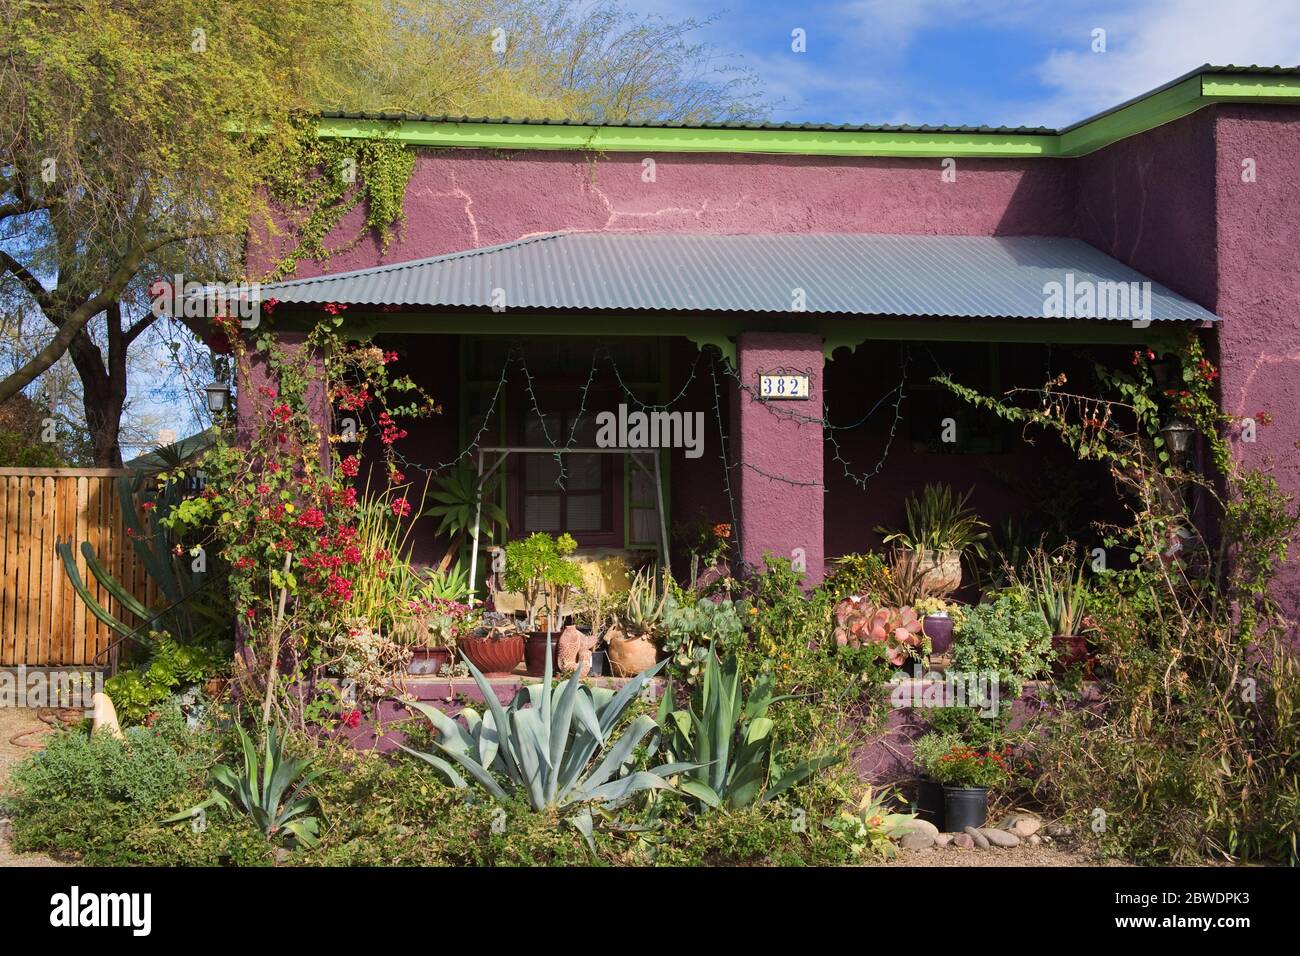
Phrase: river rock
(916, 840)
(922, 826)
(980, 839)
(1034, 839)
(963, 841)
(1003, 838)
(1021, 824)
(942, 839)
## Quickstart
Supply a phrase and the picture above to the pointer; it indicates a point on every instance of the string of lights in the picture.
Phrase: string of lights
(602, 354)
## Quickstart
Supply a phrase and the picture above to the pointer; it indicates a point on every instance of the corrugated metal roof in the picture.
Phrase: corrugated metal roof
(669, 124)
(950, 276)
(1208, 68)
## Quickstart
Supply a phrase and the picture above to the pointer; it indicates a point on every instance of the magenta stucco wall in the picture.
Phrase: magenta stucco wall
(1173, 204)
(1259, 289)
(462, 199)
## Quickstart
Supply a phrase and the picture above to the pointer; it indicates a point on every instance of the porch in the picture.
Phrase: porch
(533, 345)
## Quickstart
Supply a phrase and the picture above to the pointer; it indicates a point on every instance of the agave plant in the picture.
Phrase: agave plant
(728, 741)
(858, 622)
(646, 599)
(1057, 585)
(544, 744)
(269, 789)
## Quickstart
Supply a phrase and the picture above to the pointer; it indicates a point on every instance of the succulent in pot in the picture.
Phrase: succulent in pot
(431, 632)
(859, 623)
(495, 647)
(937, 621)
(941, 527)
(632, 648)
(1056, 582)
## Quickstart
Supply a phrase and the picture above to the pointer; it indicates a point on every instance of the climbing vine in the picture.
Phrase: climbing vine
(319, 181)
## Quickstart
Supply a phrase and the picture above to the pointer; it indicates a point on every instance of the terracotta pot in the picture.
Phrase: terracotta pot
(629, 656)
(495, 657)
(939, 630)
(535, 653)
(428, 660)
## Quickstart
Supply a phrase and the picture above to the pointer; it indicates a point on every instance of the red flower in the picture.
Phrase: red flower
(401, 507)
(351, 720)
(350, 466)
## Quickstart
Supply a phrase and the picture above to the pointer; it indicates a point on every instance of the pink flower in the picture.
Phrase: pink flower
(401, 507)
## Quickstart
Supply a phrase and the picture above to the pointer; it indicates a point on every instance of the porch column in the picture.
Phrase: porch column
(778, 455)
(252, 408)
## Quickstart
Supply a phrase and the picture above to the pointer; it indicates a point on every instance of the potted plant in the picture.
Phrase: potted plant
(538, 567)
(495, 646)
(1058, 589)
(966, 773)
(632, 648)
(940, 529)
(595, 612)
(937, 621)
(431, 633)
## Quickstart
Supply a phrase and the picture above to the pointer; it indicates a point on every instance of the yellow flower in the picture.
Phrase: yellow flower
(289, 508)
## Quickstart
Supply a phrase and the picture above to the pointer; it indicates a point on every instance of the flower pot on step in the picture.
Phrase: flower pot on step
(629, 656)
(535, 653)
(426, 661)
(494, 657)
(1071, 650)
(938, 628)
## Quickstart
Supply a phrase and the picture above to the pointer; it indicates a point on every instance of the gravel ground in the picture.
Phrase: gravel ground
(1019, 856)
(19, 730)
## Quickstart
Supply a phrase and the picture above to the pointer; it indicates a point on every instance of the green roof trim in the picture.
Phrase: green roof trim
(1202, 87)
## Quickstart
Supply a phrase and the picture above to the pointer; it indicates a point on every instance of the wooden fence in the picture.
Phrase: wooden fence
(43, 623)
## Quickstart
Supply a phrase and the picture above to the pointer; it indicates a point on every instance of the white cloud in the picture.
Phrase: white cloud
(1151, 43)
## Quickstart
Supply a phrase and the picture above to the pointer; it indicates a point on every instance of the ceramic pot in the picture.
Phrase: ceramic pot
(535, 653)
(428, 660)
(493, 657)
(938, 628)
(1071, 650)
(629, 656)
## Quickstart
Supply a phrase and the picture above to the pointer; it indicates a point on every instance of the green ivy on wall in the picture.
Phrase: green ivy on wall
(319, 181)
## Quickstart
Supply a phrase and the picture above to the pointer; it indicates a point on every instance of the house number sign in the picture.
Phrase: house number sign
(782, 384)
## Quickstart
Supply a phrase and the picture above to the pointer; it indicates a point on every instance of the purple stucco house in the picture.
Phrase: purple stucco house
(570, 268)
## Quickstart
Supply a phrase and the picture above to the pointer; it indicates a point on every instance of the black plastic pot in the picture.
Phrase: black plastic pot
(965, 807)
(929, 802)
(599, 664)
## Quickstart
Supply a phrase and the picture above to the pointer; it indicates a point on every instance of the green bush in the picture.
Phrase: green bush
(84, 794)
(1007, 637)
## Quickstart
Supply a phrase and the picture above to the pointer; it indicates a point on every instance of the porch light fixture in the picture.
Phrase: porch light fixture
(1177, 435)
(218, 396)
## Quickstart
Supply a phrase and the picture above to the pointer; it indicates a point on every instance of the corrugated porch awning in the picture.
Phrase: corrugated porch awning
(1017, 277)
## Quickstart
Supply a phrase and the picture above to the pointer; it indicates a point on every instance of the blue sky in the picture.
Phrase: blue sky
(997, 62)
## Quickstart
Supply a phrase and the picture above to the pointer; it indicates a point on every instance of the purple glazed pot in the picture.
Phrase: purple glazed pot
(939, 631)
